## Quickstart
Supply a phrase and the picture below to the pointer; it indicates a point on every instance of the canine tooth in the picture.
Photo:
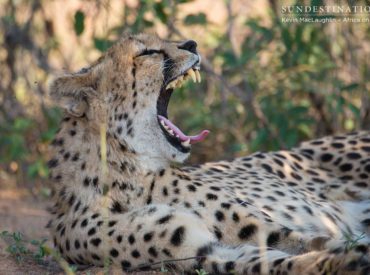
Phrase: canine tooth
(192, 74)
(197, 74)
(171, 132)
(162, 122)
(171, 85)
(178, 84)
(186, 142)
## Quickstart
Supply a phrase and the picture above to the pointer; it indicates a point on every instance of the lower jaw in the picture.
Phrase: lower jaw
(174, 141)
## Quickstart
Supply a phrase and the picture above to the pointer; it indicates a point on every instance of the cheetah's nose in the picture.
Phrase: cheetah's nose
(190, 46)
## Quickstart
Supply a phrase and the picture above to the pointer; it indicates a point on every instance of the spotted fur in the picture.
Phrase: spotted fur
(277, 212)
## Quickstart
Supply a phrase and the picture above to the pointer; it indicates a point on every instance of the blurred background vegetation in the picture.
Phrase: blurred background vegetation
(266, 84)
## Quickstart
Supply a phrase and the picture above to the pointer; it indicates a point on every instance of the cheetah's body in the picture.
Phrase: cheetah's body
(222, 215)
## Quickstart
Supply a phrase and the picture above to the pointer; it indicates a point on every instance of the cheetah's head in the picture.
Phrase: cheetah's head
(129, 89)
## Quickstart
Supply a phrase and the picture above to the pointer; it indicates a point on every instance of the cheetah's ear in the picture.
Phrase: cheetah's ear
(72, 91)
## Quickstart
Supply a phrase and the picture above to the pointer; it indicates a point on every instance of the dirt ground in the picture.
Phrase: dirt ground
(20, 211)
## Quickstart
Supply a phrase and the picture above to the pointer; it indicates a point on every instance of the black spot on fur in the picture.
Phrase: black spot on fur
(135, 254)
(153, 252)
(273, 238)
(161, 173)
(114, 253)
(191, 188)
(125, 265)
(131, 239)
(219, 216)
(95, 241)
(95, 181)
(52, 163)
(211, 196)
(366, 222)
(267, 167)
(166, 252)
(326, 157)
(229, 266)
(225, 205)
(95, 256)
(178, 236)
(205, 250)
(353, 155)
(278, 261)
(236, 217)
(76, 157)
(217, 232)
(346, 167)
(256, 268)
(247, 231)
(112, 223)
(337, 145)
(148, 236)
(164, 219)
(84, 223)
(94, 216)
(91, 232)
(87, 181)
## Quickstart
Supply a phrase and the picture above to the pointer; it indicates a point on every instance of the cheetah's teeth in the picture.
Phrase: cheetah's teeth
(192, 74)
(178, 82)
(197, 74)
(171, 85)
(186, 143)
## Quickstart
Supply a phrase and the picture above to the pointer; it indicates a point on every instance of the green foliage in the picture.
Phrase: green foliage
(12, 139)
(37, 250)
(21, 248)
(201, 272)
(193, 19)
(102, 44)
(14, 145)
(79, 23)
(159, 8)
(352, 240)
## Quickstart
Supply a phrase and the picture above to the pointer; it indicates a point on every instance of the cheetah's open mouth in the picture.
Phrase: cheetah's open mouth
(172, 133)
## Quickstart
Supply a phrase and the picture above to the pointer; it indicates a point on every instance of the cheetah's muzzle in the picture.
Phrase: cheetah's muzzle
(172, 133)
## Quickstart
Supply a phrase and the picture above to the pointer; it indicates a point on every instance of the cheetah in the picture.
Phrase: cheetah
(119, 195)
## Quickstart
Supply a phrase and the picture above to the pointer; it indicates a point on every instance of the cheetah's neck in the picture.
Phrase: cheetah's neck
(77, 168)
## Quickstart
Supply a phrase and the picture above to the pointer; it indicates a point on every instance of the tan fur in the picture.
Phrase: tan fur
(221, 215)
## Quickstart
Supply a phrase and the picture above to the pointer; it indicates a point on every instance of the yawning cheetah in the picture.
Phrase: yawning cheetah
(295, 212)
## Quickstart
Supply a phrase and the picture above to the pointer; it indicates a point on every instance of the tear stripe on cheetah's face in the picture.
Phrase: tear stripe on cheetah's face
(128, 89)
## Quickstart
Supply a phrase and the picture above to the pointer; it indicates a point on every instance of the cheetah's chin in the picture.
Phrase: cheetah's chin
(172, 133)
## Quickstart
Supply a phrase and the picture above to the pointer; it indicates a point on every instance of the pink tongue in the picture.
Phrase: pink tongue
(193, 139)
